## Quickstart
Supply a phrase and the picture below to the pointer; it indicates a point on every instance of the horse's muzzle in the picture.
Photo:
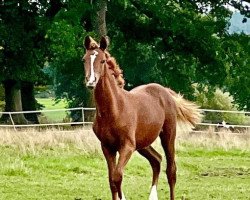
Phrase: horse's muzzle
(91, 85)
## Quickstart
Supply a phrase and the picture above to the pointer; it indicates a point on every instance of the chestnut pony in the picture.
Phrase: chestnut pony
(129, 121)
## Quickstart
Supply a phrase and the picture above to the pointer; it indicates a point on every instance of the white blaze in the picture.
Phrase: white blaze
(153, 194)
(92, 73)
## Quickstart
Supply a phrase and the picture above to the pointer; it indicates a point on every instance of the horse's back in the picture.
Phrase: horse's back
(156, 100)
(155, 92)
(153, 104)
(148, 88)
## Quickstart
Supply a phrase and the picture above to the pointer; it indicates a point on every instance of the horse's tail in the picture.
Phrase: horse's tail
(187, 111)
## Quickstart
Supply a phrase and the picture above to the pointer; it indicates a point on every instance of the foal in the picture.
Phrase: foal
(130, 121)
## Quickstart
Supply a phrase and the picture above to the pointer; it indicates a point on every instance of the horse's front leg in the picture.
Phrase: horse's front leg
(111, 162)
(125, 154)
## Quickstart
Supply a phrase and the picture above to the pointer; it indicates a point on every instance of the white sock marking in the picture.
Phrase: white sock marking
(153, 194)
(123, 196)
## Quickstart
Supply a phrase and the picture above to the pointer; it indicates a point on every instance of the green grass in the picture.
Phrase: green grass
(60, 174)
(55, 165)
(50, 104)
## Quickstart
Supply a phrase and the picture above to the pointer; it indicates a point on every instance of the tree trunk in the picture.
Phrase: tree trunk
(13, 102)
(100, 18)
(28, 101)
(99, 24)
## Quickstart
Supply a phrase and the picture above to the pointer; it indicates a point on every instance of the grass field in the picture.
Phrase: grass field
(51, 104)
(52, 165)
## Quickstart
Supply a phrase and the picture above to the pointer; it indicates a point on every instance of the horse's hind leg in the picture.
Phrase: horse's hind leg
(154, 159)
(167, 136)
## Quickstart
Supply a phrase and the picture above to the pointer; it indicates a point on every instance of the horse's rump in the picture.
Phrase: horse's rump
(187, 112)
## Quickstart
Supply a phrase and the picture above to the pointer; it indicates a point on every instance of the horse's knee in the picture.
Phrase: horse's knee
(117, 177)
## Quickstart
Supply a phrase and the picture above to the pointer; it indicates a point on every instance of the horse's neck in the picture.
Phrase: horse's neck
(107, 95)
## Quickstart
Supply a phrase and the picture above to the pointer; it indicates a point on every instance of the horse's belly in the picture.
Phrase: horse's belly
(146, 134)
(149, 125)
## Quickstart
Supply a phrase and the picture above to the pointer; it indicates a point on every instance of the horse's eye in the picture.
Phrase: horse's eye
(103, 61)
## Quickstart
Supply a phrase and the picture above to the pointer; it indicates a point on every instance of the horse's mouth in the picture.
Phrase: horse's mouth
(90, 86)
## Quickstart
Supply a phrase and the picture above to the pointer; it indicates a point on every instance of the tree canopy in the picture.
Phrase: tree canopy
(23, 25)
(179, 44)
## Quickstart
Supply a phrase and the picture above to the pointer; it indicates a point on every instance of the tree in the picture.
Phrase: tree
(23, 49)
(237, 82)
(176, 43)
(181, 45)
(176, 47)
(17, 26)
(65, 65)
(100, 17)
(219, 101)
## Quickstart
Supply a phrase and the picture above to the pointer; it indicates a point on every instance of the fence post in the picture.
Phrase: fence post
(12, 121)
(83, 117)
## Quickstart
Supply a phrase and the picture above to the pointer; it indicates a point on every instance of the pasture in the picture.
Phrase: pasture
(69, 166)
(51, 104)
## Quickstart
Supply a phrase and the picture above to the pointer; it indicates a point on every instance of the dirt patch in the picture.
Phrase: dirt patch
(227, 172)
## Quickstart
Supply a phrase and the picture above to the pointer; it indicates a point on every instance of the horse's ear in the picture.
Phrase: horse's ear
(87, 42)
(90, 43)
(104, 43)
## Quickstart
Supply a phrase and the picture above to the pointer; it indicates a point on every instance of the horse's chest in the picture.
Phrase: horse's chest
(106, 135)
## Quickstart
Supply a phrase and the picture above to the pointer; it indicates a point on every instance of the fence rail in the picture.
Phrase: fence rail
(83, 122)
(226, 111)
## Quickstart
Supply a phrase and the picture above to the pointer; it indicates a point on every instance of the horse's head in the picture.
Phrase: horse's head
(95, 59)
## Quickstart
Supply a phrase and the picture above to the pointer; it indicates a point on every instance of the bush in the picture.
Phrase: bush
(44, 92)
(1, 98)
(1, 93)
(219, 100)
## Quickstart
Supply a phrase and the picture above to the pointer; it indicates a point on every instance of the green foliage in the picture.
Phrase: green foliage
(1, 98)
(44, 92)
(66, 50)
(238, 81)
(179, 46)
(219, 101)
(182, 44)
(1, 93)
(175, 47)
(22, 45)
